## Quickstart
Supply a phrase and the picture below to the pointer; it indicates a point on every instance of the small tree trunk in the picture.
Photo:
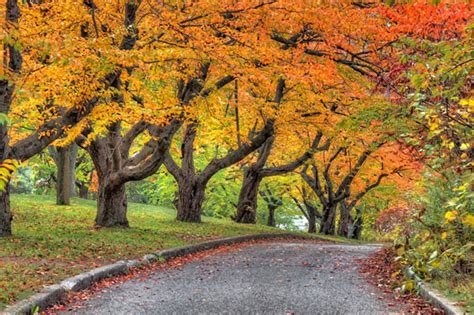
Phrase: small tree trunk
(5, 214)
(271, 216)
(190, 200)
(311, 221)
(357, 232)
(83, 191)
(328, 223)
(344, 221)
(66, 160)
(111, 205)
(247, 205)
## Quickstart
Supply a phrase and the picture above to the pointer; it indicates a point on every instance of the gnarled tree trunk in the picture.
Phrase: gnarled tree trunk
(328, 222)
(344, 221)
(190, 200)
(111, 205)
(247, 206)
(5, 213)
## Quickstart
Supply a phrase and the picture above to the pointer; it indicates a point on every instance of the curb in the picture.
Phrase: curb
(434, 296)
(54, 294)
(438, 300)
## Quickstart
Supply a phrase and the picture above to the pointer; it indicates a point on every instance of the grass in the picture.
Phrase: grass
(51, 243)
(458, 290)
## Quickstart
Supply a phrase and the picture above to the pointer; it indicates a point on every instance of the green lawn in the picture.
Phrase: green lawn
(52, 242)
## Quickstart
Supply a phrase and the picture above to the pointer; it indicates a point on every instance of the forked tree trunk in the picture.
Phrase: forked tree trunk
(328, 223)
(5, 213)
(247, 205)
(190, 200)
(66, 160)
(111, 205)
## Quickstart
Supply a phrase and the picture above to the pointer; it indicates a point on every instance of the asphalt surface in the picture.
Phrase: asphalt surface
(268, 278)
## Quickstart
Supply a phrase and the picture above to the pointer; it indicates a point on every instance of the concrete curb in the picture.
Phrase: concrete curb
(438, 300)
(434, 296)
(56, 293)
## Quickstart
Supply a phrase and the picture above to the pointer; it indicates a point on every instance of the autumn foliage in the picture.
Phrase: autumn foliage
(339, 102)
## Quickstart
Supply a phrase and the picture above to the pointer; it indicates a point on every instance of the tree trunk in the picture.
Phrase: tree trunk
(311, 221)
(328, 223)
(111, 205)
(247, 205)
(5, 214)
(271, 216)
(190, 200)
(83, 191)
(344, 221)
(357, 228)
(66, 160)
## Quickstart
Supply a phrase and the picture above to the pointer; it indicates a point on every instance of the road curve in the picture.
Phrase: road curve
(266, 278)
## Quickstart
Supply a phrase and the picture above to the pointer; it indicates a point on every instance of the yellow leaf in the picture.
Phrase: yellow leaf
(468, 220)
(451, 215)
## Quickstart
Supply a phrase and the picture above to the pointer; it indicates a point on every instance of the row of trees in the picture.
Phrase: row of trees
(122, 80)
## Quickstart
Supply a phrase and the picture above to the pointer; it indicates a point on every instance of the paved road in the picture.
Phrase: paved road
(268, 278)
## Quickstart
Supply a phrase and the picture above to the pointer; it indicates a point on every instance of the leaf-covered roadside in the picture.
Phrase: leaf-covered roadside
(382, 271)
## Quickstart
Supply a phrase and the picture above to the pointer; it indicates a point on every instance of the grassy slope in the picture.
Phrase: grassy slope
(53, 242)
(458, 290)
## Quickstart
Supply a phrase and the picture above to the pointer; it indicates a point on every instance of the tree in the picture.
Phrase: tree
(349, 226)
(49, 118)
(83, 177)
(273, 202)
(328, 194)
(253, 175)
(192, 185)
(65, 159)
(308, 209)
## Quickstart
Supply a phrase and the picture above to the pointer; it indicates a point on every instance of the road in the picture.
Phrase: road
(266, 278)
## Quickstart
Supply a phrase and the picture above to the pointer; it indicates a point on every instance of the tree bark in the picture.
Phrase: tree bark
(328, 223)
(344, 221)
(111, 205)
(357, 226)
(311, 220)
(271, 216)
(13, 60)
(83, 191)
(190, 200)
(247, 205)
(66, 161)
(5, 213)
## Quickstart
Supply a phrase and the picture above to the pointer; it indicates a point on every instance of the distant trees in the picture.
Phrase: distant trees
(331, 193)
(308, 208)
(273, 202)
(255, 173)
